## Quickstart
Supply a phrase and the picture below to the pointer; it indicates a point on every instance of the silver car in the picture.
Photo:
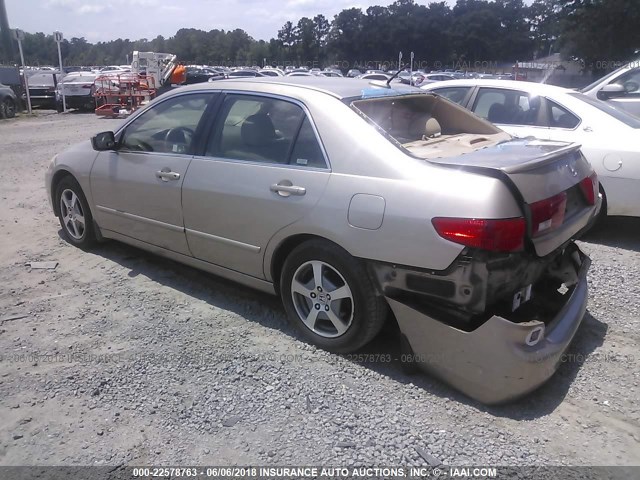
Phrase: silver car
(353, 200)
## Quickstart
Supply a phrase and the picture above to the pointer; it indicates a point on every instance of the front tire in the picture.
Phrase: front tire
(74, 214)
(330, 298)
(7, 108)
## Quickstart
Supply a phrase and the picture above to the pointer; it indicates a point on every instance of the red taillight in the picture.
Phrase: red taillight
(589, 188)
(548, 214)
(496, 235)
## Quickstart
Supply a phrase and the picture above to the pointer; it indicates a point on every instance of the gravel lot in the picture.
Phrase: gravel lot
(121, 357)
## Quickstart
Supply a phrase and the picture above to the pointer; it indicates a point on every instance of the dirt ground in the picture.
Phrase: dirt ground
(119, 357)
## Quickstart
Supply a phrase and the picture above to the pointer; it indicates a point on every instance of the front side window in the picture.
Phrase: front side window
(508, 107)
(168, 127)
(264, 129)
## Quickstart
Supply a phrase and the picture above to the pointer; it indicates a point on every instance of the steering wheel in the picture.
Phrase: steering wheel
(138, 145)
(630, 86)
(173, 132)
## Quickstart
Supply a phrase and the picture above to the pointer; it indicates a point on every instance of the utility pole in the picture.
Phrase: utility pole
(411, 71)
(57, 36)
(5, 32)
(19, 36)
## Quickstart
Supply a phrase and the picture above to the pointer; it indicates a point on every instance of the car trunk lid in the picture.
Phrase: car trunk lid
(545, 177)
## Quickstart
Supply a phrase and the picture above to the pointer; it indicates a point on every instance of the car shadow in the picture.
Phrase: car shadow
(383, 352)
(215, 291)
(620, 232)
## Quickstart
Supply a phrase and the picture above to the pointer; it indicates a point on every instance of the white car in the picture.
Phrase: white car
(609, 136)
(79, 89)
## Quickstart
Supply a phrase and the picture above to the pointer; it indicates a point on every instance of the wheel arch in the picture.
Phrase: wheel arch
(57, 178)
(285, 247)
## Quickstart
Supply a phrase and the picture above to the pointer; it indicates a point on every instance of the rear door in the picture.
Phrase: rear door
(263, 169)
(137, 188)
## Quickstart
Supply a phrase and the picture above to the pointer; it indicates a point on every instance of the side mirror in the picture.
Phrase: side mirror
(610, 91)
(104, 141)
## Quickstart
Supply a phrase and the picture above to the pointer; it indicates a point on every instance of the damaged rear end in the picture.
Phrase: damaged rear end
(497, 321)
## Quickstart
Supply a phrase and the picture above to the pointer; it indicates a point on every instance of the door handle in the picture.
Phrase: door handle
(166, 175)
(286, 190)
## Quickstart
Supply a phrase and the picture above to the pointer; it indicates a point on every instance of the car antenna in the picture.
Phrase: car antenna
(396, 74)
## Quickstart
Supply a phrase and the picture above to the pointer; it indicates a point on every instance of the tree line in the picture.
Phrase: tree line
(471, 31)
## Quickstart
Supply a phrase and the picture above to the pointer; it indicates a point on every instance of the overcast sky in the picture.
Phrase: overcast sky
(103, 20)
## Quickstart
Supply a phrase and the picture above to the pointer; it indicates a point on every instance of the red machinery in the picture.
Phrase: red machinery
(122, 94)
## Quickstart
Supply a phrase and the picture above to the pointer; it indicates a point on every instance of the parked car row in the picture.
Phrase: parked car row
(621, 88)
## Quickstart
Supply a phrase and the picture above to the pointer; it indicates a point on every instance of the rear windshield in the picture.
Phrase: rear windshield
(621, 115)
(428, 126)
(407, 118)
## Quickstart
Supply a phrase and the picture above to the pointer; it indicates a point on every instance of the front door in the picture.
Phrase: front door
(137, 187)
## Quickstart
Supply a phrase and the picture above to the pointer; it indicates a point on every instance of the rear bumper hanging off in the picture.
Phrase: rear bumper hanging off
(500, 360)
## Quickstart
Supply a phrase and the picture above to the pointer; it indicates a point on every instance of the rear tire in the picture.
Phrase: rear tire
(330, 298)
(602, 216)
(74, 213)
(601, 220)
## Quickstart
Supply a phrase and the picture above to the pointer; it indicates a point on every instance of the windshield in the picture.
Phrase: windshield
(607, 77)
(620, 115)
(599, 81)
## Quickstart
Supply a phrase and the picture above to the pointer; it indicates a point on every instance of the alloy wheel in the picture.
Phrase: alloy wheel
(72, 214)
(322, 299)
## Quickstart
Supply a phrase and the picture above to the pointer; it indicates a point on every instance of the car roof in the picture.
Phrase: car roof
(338, 87)
(537, 88)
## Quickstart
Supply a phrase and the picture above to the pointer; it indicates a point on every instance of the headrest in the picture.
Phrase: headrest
(257, 130)
(497, 113)
(432, 128)
(416, 128)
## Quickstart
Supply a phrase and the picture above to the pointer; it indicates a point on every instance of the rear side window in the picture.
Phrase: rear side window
(455, 94)
(307, 151)
(560, 117)
(508, 107)
(264, 129)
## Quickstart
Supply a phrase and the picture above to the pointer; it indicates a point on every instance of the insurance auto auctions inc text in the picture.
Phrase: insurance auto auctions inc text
(376, 472)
